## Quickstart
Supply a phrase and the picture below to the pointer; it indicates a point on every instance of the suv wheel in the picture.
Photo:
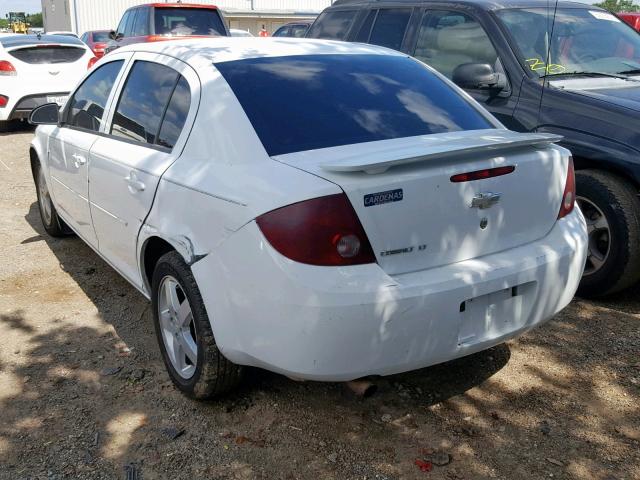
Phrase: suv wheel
(184, 333)
(611, 207)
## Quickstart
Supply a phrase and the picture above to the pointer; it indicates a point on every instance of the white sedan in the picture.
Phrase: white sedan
(320, 209)
(38, 69)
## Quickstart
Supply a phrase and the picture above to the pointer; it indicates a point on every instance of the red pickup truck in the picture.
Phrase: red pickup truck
(155, 22)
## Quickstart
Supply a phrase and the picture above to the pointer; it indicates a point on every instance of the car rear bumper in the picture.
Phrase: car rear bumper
(22, 107)
(339, 323)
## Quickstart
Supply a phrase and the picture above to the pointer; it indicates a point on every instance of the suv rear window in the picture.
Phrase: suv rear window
(53, 54)
(319, 101)
(333, 24)
(188, 21)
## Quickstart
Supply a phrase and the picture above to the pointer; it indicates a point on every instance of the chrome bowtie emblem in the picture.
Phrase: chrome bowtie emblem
(485, 200)
(55, 72)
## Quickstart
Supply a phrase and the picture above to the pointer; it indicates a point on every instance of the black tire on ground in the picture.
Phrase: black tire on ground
(618, 200)
(214, 374)
(6, 126)
(54, 225)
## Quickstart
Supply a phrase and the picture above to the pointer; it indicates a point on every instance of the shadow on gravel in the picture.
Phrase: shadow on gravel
(17, 127)
(94, 402)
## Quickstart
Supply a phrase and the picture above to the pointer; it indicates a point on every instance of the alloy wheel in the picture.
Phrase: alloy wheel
(599, 233)
(178, 328)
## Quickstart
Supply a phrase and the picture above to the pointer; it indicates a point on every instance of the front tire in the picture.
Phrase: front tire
(193, 361)
(611, 208)
(52, 223)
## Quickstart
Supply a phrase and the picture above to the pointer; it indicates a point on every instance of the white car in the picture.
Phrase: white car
(35, 70)
(236, 32)
(320, 209)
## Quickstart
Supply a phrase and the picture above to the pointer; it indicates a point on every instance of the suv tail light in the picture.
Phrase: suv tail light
(569, 195)
(92, 62)
(322, 231)
(7, 69)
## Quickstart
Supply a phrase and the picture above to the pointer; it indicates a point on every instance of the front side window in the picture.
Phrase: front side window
(123, 22)
(128, 27)
(282, 32)
(333, 25)
(447, 40)
(583, 41)
(188, 21)
(332, 100)
(388, 31)
(141, 25)
(86, 107)
(143, 101)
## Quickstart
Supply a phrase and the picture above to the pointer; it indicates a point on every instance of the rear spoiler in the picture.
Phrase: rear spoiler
(441, 146)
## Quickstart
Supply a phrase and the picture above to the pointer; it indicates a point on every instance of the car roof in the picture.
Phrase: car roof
(176, 5)
(480, 4)
(24, 40)
(226, 49)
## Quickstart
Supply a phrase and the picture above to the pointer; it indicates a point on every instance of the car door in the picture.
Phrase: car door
(447, 39)
(146, 132)
(71, 142)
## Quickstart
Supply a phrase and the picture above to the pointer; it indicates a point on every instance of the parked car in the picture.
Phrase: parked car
(631, 18)
(165, 21)
(497, 51)
(35, 70)
(296, 29)
(236, 32)
(63, 34)
(96, 40)
(396, 226)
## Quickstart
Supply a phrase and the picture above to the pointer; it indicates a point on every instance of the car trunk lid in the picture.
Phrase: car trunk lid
(416, 217)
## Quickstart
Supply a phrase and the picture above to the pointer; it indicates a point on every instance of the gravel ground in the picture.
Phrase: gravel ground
(84, 394)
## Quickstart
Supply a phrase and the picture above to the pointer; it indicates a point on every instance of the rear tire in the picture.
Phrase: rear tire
(612, 209)
(51, 222)
(181, 338)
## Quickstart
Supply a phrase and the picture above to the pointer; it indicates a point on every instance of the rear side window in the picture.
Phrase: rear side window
(331, 100)
(390, 27)
(188, 21)
(143, 103)
(298, 31)
(44, 54)
(365, 28)
(282, 32)
(176, 115)
(333, 24)
(86, 107)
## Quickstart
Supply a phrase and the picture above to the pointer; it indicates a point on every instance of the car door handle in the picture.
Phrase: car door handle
(135, 185)
(78, 160)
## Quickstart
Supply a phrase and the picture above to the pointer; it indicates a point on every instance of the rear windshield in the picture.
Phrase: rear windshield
(307, 102)
(100, 36)
(51, 54)
(188, 21)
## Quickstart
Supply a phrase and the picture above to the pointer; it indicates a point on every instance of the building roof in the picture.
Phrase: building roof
(226, 49)
(481, 4)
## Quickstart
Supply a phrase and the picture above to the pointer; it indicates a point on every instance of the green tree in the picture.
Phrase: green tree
(35, 19)
(4, 23)
(616, 6)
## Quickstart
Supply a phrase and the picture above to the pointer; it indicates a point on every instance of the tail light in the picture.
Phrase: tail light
(569, 195)
(3, 101)
(92, 62)
(7, 69)
(482, 174)
(323, 231)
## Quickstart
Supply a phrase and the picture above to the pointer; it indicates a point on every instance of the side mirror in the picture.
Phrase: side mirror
(478, 76)
(47, 114)
(112, 34)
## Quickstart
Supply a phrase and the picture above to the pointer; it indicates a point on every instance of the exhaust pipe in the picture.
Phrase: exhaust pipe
(362, 388)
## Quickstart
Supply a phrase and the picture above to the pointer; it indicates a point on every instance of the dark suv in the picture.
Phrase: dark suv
(577, 76)
(163, 21)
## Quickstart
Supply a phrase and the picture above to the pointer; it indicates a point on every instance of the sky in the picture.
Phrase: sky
(28, 6)
(34, 6)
